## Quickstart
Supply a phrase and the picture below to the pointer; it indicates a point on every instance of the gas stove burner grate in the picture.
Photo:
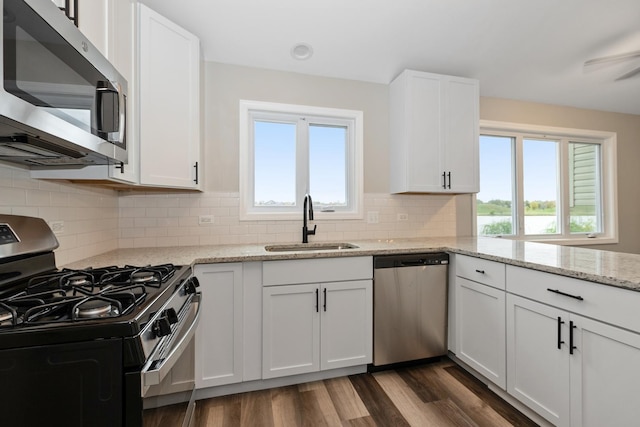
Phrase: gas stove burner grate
(8, 315)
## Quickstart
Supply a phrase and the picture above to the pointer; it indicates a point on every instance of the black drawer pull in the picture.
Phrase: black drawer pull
(556, 291)
(480, 271)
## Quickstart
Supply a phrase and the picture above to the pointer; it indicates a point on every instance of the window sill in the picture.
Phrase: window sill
(569, 241)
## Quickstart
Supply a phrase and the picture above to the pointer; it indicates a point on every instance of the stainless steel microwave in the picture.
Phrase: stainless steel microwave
(62, 104)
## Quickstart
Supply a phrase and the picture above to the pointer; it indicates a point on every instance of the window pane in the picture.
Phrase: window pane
(494, 202)
(327, 165)
(275, 164)
(584, 188)
(540, 186)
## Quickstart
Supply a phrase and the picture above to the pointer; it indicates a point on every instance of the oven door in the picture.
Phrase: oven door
(168, 376)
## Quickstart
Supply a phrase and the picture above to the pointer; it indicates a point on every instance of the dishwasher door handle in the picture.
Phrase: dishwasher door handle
(416, 263)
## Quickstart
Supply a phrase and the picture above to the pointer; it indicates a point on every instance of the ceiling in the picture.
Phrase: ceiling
(530, 50)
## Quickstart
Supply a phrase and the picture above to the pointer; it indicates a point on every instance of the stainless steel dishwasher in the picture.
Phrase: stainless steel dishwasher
(409, 307)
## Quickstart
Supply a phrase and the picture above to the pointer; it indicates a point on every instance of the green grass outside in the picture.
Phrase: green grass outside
(490, 209)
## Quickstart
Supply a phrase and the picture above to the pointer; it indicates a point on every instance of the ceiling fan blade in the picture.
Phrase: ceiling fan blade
(629, 74)
(613, 58)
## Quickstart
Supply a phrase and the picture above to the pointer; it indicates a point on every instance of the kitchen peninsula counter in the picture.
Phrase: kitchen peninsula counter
(609, 268)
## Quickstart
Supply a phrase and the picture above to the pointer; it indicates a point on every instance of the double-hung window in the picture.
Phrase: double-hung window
(541, 183)
(288, 151)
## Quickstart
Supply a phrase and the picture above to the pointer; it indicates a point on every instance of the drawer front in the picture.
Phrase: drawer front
(609, 304)
(483, 271)
(318, 270)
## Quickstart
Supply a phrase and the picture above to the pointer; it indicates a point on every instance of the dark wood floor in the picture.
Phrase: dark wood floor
(434, 394)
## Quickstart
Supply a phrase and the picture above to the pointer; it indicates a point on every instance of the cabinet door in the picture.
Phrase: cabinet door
(537, 370)
(481, 329)
(219, 357)
(290, 330)
(346, 329)
(169, 103)
(461, 135)
(93, 22)
(122, 53)
(605, 375)
(424, 132)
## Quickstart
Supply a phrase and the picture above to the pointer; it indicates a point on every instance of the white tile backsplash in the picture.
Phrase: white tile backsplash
(89, 214)
(428, 215)
(97, 220)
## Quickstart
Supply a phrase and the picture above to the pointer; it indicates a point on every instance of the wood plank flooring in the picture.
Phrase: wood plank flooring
(434, 394)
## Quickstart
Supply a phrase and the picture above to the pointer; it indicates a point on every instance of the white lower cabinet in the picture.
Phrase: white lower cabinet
(481, 328)
(317, 314)
(537, 370)
(312, 327)
(605, 375)
(219, 337)
(571, 370)
(290, 330)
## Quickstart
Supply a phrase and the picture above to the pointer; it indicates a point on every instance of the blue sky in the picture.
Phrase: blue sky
(495, 169)
(275, 162)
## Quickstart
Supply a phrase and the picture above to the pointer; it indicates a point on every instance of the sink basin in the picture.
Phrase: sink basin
(309, 247)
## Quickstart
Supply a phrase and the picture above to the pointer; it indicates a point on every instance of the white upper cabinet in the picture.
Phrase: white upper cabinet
(93, 22)
(169, 103)
(434, 131)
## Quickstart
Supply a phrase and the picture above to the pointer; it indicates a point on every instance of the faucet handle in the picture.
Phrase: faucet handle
(313, 232)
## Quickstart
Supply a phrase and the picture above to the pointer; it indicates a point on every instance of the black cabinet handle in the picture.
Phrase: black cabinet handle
(556, 291)
(449, 175)
(571, 346)
(444, 180)
(317, 300)
(324, 296)
(560, 323)
(120, 166)
(196, 167)
(480, 271)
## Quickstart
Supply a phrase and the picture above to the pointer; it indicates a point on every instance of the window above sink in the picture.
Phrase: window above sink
(287, 151)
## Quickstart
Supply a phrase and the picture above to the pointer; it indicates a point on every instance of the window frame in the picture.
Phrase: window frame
(608, 184)
(250, 111)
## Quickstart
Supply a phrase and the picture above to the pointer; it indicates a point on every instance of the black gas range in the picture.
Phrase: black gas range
(82, 347)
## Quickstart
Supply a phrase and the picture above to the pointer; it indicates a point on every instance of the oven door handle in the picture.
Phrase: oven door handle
(155, 371)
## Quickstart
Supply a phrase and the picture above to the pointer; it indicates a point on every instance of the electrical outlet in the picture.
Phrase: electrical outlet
(57, 227)
(205, 219)
(403, 217)
(372, 217)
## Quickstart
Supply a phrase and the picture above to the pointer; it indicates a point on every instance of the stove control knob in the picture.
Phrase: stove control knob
(191, 285)
(171, 315)
(162, 327)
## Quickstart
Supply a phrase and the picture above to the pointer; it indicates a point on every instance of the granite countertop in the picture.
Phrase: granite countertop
(610, 268)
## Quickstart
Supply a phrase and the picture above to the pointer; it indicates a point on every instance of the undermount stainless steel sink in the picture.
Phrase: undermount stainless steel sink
(310, 247)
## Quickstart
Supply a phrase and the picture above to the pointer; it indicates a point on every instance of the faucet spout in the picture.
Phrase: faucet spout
(307, 207)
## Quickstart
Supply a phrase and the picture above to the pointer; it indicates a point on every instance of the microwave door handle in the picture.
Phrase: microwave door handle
(122, 112)
(122, 109)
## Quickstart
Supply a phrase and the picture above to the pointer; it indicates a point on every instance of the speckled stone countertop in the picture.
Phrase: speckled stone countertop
(610, 268)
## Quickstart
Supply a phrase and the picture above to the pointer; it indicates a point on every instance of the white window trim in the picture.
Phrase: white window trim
(609, 180)
(355, 170)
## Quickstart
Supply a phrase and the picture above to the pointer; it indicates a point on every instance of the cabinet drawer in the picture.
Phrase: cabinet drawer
(490, 273)
(296, 271)
(612, 305)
